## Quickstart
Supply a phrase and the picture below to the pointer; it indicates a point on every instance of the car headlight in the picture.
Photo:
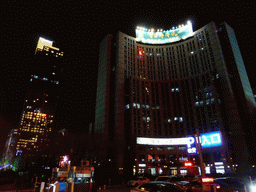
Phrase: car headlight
(253, 188)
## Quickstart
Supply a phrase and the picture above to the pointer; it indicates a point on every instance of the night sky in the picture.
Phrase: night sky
(78, 28)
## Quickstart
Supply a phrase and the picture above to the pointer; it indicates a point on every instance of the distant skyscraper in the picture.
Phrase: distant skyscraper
(37, 119)
(166, 85)
(9, 150)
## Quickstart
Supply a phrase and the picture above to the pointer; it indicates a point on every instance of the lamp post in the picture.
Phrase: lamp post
(199, 152)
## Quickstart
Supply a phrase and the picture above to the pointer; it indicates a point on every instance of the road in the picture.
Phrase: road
(117, 188)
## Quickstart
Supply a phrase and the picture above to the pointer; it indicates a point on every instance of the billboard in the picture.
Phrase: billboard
(212, 139)
(161, 37)
(165, 141)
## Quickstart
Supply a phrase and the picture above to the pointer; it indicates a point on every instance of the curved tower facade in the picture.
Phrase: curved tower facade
(172, 84)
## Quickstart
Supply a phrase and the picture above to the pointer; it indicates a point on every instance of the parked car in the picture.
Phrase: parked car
(137, 181)
(157, 186)
(227, 184)
(163, 178)
(196, 186)
(176, 180)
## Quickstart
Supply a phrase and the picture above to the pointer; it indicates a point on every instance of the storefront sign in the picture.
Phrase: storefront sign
(212, 139)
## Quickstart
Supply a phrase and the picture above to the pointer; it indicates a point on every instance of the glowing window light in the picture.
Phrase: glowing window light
(43, 115)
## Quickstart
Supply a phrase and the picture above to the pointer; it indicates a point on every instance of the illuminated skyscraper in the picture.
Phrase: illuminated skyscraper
(167, 85)
(37, 120)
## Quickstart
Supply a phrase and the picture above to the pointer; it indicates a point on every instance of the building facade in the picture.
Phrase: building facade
(169, 85)
(36, 125)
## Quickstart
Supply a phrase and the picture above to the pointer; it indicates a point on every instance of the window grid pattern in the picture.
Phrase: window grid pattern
(167, 79)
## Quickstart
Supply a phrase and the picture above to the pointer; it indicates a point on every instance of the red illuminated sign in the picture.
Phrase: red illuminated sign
(188, 164)
(207, 179)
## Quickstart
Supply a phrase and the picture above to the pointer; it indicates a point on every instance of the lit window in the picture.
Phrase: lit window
(175, 118)
(138, 105)
(180, 119)
(177, 89)
(169, 120)
(31, 79)
(127, 106)
(202, 48)
(134, 105)
(53, 73)
(197, 103)
(173, 89)
(45, 101)
(192, 52)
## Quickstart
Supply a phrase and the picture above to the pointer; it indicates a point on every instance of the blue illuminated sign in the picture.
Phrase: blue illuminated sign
(212, 139)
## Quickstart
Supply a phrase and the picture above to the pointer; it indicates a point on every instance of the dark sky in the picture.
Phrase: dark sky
(78, 28)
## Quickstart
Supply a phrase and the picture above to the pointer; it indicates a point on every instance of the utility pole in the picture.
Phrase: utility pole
(35, 185)
(199, 152)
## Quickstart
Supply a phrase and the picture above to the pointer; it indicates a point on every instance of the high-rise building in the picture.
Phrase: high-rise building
(9, 150)
(36, 125)
(158, 91)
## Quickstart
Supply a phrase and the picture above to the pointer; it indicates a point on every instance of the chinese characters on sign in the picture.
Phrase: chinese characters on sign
(212, 139)
(161, 37)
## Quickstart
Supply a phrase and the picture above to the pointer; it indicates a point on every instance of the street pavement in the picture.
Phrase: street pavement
(117, 188)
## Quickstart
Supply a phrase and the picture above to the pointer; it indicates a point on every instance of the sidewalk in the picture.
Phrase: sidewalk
(11, 188)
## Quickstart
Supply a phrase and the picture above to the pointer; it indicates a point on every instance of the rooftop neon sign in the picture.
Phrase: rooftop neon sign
(161, 37)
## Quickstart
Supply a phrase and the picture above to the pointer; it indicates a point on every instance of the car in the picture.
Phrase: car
(137, 181)
(197, 186)
(234, 184)
(163, 178)
(157, 186)
(176, 180)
